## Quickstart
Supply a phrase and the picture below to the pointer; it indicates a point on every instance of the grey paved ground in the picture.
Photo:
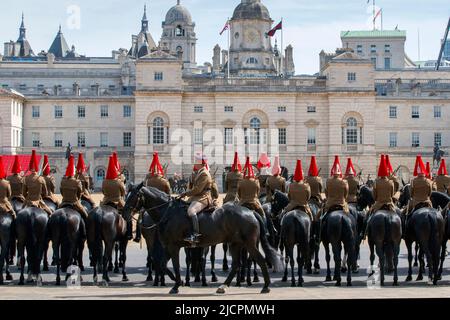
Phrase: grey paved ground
(314, 288)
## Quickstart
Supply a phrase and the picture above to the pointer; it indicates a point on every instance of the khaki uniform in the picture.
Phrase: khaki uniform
(316, 185)
(353, 189)
(86, 185)
(114, 193)
(299, 194)
(215, 193)
(394, 179)
(274, 183)
(201, 188)
(5, 194)
(50, 183)
(71, 190)
(34, 190)
(231, 184)
(16, 181)
(421, 189)
(336, 193)
(383, 192)
(248, 191)
(442, 184)
(158, 182)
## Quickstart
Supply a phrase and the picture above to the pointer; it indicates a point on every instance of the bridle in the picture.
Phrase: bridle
(140, 206)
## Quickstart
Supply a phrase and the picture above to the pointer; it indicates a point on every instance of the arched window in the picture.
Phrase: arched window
(252, 60)
(158, 131)
(255, 128)
(352, 131)
(179, 31)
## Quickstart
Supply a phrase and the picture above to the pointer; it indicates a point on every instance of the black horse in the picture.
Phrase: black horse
(6, 237)
(17, 205)
(105, 225)
(238, 226)
(31, 231)
(385, 235)
(296, 231)
(67, 232)
(339, 228)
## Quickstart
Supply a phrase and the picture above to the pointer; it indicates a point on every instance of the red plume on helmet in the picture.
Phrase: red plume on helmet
(248, 170)
(112, 172)
(428, 170)
(236, 163)
(389, 165)
(16, 168)
(298, 175)
(70, 171)
(443, 169)
(313, 168)
(263, 162)
(350, 168)
(46, 170)
(81, 166)
(116, 161)
(34, 165)
(336, 169)
(383, 170)
(419, 167)
(2, 169)
(156, 167)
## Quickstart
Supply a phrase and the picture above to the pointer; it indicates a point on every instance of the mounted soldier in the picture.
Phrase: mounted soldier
(84, 179)
(383, 189)
(421, 188)
(232, 180)
(5, 193)
(299, 193)
(263, 166)
(113, 190)
(199, 198)
(119, 170)
(50, 182)
(393, 177)
(34, 188)
(315, 182)
(72, 190)
(16, 180)
(336, 190)
(442, 180)
(353, 183)
(275, 181)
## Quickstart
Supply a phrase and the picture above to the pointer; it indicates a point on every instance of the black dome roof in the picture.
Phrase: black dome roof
(251, 10)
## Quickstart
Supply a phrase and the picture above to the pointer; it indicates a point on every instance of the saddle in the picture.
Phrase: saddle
(209, 210)
(335, 208)
(420, 206)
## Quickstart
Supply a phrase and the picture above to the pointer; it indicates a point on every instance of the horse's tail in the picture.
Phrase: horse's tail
(433, 232)
(301, 233)
(272, 256)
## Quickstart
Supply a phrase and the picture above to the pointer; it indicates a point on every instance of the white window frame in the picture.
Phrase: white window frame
(104, 140)
(415, 112)
(159, 76)
(127, 111)
(415, 139)
(198, 109)
(282, 136)
(438, 139)
(35, 112)
(81, 112)
(35, 139)
(59, 112)
(81, 139)
(312, 136)
(351, 76)
(127, 139)
(393, 112)
(104, 111)
(393, 139)
(311, 109)
(58, 139)
(437, 112)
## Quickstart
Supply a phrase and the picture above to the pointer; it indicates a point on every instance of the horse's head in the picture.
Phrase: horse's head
(279, 202)
(405, 195)
(152, 200)
(365, 197)
(131, 200)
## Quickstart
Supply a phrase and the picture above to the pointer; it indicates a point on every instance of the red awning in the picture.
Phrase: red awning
(24, 160)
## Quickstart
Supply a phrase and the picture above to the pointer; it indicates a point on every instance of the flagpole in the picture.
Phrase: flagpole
(229, 43)
(381, 19)
(282, 50)
(373, 14)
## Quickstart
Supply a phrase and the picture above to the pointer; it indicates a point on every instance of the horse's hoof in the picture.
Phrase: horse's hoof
(355, 270)
(265, 290)
(328, 279)
(249, 284)
(58, 283)
(408, 278)
(349, 284)
(221, 290)
(149, 279)
(53, 263)
(300, 284)
(395, 284)
(214, 279)
(338, 284)
(187, 284)
(204, 284)
(419, 278)
(225, 267)
(45, 268)
(110, 268)
(125, 279)
(415, 264)
(116, 270)
(11, 262)
(120, 264)
(174, 291)
(82, 268)
(21, 283)
(309, 271)
(316, 271)
(155, 284)
(255, 279)
(293, 284)
(343, 270)
(9, 277)
(284, 279)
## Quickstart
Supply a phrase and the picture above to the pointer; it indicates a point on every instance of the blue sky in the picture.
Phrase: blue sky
(310, 26)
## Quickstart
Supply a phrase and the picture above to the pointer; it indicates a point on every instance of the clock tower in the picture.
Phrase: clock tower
(251, 51)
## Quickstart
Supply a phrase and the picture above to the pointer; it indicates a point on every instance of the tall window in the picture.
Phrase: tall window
(81, 112)
(255, 129)
(311, 136)
(127, 139)
(393, 139)
(198, 135)
(282, 136)
(36, 139)
(103, 139)
(228, 136)
(58, 112)
(359, 49)
(58, 139)
(437, 112)
(438, 139)
(159, 76)
(387, 48)
(374, 61)
(351, 76)
(393, 112)
(387, 63)
(415, 112)
(352, 131)
(127, 111)
(100, 175)
(415, 139)
(158, 131)
(81, 140)
(373, 48)
(36, 112)
(179, 32)
(104, 111)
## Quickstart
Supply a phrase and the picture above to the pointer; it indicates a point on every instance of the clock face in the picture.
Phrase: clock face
(251, 35)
